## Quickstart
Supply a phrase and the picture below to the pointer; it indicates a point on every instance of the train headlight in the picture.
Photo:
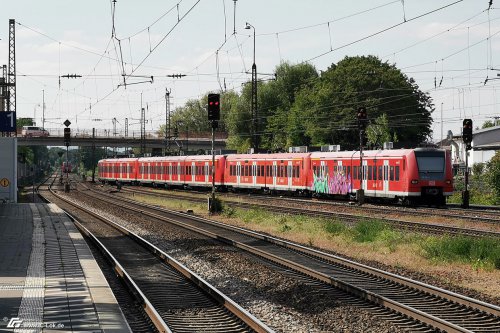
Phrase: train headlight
(414, 181)
(448, 181)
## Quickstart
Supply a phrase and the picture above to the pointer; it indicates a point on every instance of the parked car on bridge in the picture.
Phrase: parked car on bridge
(34, 131)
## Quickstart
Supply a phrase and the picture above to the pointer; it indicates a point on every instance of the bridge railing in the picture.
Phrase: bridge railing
(104, 133)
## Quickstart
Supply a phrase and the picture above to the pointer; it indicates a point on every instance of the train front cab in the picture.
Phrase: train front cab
(430, 175)
(338, 174)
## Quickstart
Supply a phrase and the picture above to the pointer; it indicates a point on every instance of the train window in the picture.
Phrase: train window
(355, 172)
(380, 172)
(262, 170)
(370, 172)
(392, 173)
(374, 172)
(298, 172)
(397, 173)
(348, 171)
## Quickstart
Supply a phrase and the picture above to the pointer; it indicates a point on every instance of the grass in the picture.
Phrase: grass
(481, 253)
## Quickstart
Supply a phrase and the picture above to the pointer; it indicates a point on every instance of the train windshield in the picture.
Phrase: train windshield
(430, 164)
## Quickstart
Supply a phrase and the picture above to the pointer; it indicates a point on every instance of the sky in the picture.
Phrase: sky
(451, 49)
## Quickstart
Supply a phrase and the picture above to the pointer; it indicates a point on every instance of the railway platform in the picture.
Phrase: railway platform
(49, 280)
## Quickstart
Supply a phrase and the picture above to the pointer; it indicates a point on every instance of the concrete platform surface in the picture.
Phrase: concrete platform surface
(49, 280)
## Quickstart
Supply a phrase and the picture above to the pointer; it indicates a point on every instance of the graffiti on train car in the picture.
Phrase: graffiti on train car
(337, 183)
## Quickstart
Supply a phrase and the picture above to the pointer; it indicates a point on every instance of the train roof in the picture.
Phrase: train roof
(278, 156)
(161, 158)
(366, 153)
(114, 160)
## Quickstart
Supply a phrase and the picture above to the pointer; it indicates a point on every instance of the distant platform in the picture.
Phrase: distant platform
(49, 279)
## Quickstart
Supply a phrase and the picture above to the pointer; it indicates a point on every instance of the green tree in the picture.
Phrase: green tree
(381, 88)
(378, 131)
(277, 115)
(493, 175)
(487, 124)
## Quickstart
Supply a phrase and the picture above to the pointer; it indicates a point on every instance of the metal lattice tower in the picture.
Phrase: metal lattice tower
(3, 90)
(167, 120)
(11, 105)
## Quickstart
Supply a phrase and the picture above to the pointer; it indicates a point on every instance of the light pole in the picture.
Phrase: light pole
(43, 109)
(255, 124)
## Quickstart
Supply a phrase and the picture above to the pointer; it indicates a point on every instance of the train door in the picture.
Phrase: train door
(254, 173)
(385, 189)
(208, 173)
(193, 173)
(289, 174)
(275, 172)
(179, 176)
(238, 173)
(365, 175)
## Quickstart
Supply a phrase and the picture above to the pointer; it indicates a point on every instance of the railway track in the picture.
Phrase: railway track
(175, 299)
(349, 218)
(438, 308)
(483, 214)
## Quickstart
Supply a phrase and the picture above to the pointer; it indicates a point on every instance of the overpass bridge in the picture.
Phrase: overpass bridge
(103, 138)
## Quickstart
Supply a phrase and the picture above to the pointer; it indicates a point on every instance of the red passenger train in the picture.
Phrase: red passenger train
(66, 168)
(407, 175)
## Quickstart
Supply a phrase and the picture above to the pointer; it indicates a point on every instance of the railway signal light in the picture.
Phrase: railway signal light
(467, 131)
(67, 136)
(362, 118)
(213, 106)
